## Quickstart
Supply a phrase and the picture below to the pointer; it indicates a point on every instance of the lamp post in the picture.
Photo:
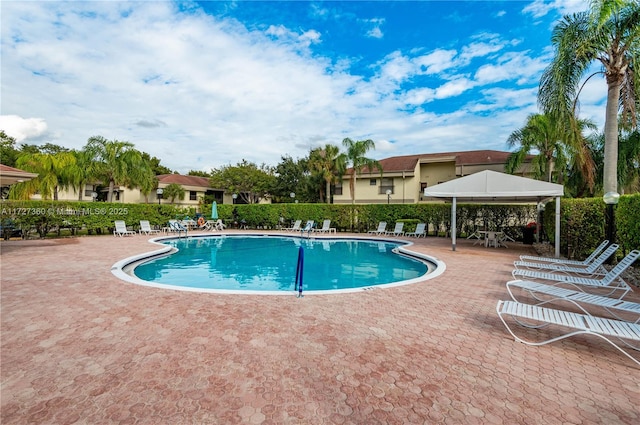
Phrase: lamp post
(94, 196)
(611, 199)
(159, 194)
(388, 196)
(234, 197)
(293, 196)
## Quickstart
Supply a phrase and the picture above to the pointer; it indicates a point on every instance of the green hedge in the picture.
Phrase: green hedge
(582, 221)
(582, 224)
(95, 217)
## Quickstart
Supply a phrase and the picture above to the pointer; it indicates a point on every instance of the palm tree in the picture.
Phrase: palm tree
(327, 163)
(118, 163)
(556, 150)
(173, 191)
(609, 34)
(53, 173)
(355, 157)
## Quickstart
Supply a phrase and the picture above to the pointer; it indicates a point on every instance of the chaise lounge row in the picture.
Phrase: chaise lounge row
(549, 281)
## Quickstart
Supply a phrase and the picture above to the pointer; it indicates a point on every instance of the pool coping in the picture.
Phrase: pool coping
(123, 269)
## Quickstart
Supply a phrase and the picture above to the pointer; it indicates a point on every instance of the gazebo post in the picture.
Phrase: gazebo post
(453, 224)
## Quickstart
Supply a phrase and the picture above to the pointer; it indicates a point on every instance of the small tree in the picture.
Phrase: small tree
(173, 191)
(246, 179)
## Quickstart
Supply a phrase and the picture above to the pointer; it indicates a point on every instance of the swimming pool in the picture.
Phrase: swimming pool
(267, 264)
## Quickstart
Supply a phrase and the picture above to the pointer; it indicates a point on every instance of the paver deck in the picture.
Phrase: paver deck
(81, 346)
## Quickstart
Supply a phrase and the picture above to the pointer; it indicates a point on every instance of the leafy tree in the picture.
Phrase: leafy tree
(355, 157)
(609, 34)
(53, 172)
(117, 163)
(545, 135)
(328, 164)
(629, 161)
(246, 179)
(173, 191)
(8, 151)
(289, 178)
(155, 165)
(198, 173)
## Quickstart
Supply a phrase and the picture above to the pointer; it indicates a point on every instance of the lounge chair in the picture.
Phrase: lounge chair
(326, 227)
(212, 225)
(421, 231)
(611, 280)
(584, 262)
(614, 306)
(594, 268)
(145, 228)
(307, 227)
(382, 228)
(296, 226)
(121, 229)
(397, 231)
(176, 226)
(532, 316)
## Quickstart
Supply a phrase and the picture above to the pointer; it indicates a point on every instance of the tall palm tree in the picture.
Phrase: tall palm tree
(609, 33)
(355, 157)
(328, 164)
(556, 151)
(53, 173)
(83, 172)
(117, 163)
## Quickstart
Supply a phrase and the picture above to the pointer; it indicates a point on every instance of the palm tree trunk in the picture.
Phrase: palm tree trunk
(328, 191)
(110, 194)
(610, 182)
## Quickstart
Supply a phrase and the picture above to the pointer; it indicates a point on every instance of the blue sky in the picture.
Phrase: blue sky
(206, 84)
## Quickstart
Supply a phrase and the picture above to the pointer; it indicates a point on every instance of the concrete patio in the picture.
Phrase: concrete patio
(81, 346)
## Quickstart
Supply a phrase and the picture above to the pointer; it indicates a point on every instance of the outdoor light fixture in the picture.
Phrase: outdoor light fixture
(293, 195)
(94, 196)
(159, 193)
(388, 196)
(234, 196)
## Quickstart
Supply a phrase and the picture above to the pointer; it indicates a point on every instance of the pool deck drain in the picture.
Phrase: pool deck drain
(81, 346)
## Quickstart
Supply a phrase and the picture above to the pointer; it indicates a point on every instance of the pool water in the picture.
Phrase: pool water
(268, 263)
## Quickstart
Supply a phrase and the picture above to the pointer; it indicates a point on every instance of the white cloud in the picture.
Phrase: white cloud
(540, 8)
(375, 30)
(199, 91)
(22, 129)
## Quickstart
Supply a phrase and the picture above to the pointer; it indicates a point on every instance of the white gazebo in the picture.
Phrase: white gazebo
(491, 187)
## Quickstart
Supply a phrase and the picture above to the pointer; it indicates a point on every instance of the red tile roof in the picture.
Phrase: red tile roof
(183, 180)
(409, 162)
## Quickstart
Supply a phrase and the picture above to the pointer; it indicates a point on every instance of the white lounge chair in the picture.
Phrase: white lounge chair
(421, 231)
(611, 280)
(594, 268)
(326, 227)
(584, 262)
(397, 231)
(214, 225)
(614, 306)
(145, 228)
(121, 229)
(176, 226)
(532, 316)
(382, 228)
(307, 227)
(296, 226)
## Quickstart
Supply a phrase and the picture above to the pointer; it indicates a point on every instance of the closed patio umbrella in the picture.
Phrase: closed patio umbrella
(214, 211)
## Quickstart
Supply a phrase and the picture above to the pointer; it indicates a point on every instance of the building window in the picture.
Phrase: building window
(193, 195)
(386, 184)
(337, 190)
(373, 182)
